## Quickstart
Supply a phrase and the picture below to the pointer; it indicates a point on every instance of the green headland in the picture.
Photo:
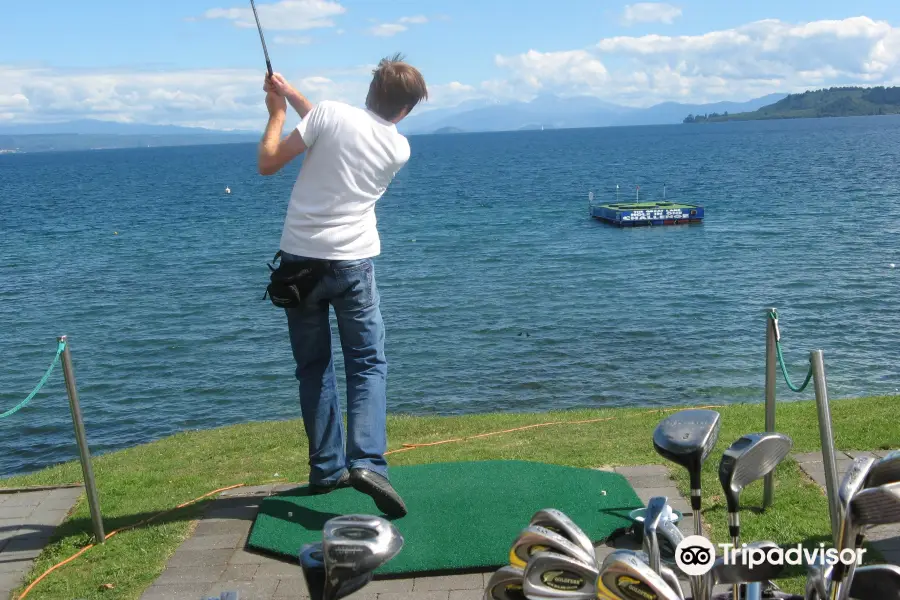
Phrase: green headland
(832, 102)
(140, 482)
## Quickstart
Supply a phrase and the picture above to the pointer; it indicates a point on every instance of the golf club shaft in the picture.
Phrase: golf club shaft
(736, 588)
(261, 38)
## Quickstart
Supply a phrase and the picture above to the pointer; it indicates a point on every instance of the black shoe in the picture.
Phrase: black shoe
(315, 490)
(380, 489)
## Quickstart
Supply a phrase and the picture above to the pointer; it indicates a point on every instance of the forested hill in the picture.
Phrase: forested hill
(833, 102)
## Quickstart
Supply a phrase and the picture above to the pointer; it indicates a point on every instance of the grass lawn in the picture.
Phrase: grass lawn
(140, 482)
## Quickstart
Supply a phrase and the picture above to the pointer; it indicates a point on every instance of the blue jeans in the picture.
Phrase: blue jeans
(348, 286)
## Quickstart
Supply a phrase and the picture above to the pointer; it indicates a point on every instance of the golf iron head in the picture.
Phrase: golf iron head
(535, 538)
(624, 574)
(854, 480)
(353, 546)
(739, 570)
(881, 582)
(885, 470)
(666, 572)
(506, 584)
(558, 522)
(312, 562)
(550, 575)
(656, 507)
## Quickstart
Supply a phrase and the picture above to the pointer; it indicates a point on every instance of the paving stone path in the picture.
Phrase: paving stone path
(27, 521)
(884, 538)
(214, 560)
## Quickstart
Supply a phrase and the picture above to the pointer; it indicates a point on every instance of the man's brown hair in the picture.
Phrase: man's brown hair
(395, 86)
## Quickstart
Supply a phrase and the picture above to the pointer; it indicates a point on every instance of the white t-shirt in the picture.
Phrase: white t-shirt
(353, 154)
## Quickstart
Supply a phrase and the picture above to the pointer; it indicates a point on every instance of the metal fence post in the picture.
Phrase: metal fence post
(89, 484)
(771, 379)
(827, 436)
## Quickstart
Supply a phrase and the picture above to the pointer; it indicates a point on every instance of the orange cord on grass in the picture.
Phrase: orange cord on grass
(404, 448)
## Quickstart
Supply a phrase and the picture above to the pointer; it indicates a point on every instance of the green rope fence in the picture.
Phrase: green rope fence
(23, 403)
(787, 378)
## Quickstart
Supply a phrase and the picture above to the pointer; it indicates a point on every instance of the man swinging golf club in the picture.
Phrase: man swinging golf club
(330, 238)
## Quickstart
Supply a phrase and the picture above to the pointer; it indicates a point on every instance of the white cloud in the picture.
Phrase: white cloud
(734, 64)
(751, 60)
(391, 29)
(650, 12)
(296, 40)
(222, 99)
(296, 15)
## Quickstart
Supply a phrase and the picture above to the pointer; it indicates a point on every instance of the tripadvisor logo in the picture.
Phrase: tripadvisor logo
(696, 555)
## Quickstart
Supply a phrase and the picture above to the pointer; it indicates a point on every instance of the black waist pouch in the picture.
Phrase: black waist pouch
(291, 282)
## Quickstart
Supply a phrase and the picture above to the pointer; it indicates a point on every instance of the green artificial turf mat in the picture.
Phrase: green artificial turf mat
(462, 515)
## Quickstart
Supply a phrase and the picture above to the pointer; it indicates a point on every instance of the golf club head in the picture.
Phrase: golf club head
(535, 538)
(553, 575)
(558, 522)
(655, 509)
(739, 570)
(669, 537)
(506, 584)
(881, 582)
(686, 438)
(354, 546)
(877, 505)
(817, 578)
(667, 573)
(749, 458)
(624, 574)
(312, 562)
(853, 481)
(885, 470)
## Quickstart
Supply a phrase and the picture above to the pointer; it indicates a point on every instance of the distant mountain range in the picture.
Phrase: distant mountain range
(553, 112)
(544, 112)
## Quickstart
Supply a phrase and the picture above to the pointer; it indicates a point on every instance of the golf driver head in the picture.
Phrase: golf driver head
(885, 470)
(749, 458)
(558, 522)
(686, 438)
(652, 516)
(553, 575)
(353, 547)
(881, 582)
(506, 584)
(312, 562)
(625, 575)
(535, 538)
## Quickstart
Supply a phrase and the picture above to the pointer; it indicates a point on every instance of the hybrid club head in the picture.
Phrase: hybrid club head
(550, 575)
(312, 561)
(558, 522)
(876, 581)
(506, 584)
(353, 547)
(652, 516)
(751, 457)
(624, 575)
(535, 538)
(885, 470)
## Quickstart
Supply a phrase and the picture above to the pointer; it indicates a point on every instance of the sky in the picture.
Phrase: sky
(200, 62)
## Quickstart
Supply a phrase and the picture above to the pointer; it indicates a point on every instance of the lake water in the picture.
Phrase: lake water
(499, 293)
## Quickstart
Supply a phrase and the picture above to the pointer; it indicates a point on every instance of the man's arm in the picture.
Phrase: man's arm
(299, 102)
(275, 152)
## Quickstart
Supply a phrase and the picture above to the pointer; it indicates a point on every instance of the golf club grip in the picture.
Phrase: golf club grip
(269, 67)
